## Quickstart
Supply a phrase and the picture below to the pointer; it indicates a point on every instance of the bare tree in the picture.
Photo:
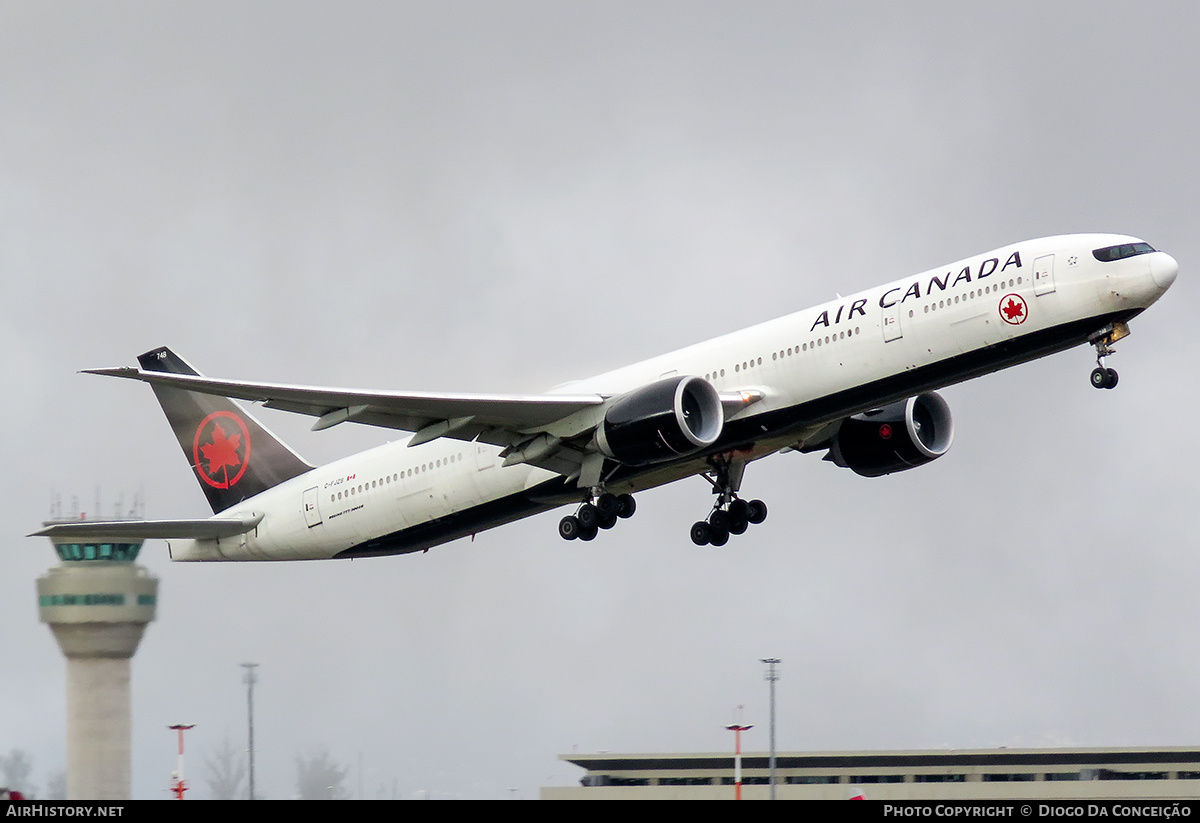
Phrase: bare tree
(225, 771)
(17, 770)
(319, 778)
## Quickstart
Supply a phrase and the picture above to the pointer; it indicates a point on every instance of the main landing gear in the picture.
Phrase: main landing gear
(1103, 377)
(733, 517)
(730, 514)
(600, 511)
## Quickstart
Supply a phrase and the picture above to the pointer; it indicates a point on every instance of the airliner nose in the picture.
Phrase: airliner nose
(1163, 269)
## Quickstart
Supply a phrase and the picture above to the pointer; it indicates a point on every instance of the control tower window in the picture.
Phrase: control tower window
(1109, 253)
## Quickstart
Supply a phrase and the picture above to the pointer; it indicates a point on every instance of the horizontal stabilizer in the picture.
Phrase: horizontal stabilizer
(208, 529)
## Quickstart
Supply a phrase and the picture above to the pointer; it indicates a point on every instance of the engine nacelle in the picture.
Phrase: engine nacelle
(667, 419)
(902, 436)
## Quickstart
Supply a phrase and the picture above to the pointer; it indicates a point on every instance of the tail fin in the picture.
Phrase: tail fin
(233, 455)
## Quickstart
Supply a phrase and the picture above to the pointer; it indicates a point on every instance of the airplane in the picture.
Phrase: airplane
(854, 378)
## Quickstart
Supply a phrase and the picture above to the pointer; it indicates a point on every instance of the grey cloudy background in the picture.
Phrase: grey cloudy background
(504, 196)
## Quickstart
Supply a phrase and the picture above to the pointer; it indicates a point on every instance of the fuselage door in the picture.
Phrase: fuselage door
(312, 512)
(1043, 275)
(891, 323)
(485, 456)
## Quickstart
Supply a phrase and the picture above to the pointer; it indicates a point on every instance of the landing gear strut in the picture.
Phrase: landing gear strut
(731, 514)
(1102, 376)
(600, 511)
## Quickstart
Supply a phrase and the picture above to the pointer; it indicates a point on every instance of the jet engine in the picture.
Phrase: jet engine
(901, 436)
(661, 421)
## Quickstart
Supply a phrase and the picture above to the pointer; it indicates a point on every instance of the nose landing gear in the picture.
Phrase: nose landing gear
(1103, 377)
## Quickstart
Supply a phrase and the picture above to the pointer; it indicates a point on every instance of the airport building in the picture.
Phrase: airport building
(1164, 773)
(98, 602)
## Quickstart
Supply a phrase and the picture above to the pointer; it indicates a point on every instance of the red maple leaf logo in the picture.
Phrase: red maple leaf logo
(1013, 309)
(220, 457)
(222, 451)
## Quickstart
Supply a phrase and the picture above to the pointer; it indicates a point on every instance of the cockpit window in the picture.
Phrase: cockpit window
(1109, 253)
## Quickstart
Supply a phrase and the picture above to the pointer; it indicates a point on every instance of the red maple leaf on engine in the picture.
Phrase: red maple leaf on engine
(1013, 309)
(222, 451)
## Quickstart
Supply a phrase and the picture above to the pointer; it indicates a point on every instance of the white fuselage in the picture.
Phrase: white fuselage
(812, 367)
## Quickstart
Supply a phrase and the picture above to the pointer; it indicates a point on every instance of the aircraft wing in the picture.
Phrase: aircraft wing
(552, 431)
(500, 419)
(207, 529)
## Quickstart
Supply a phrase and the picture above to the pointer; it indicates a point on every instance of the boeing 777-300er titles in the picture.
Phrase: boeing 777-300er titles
(853, 377)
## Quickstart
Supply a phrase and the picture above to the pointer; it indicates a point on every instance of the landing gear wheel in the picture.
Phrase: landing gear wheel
(626, 505)
(738, 525)
(701, 534)
(1103, 378)
(587, 534)
(719, 538)
(569, 528)
(607, 504)
(756, 511)
(607, 521)
(589, 518)
(738, 511)
(719, 521)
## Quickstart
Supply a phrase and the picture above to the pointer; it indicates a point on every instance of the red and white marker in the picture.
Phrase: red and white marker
(178, 787)
(737, 729)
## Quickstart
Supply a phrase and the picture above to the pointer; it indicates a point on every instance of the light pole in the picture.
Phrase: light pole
(180, 785)
(250, 680)
(737, 729)
(771, 677)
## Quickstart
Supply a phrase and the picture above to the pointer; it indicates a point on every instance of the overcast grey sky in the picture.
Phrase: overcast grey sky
(504, 196)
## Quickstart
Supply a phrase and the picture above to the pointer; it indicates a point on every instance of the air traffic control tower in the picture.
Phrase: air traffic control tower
(97, 601)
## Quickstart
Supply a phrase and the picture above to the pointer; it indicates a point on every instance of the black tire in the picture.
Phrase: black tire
(738, 525)
(568, 527)
(1099, 378)
(719, 538)
(756, 511)
(626, 505)
(607, 504)
(737, 510)
(701, 535)
(589, 518)
(719, 521)
(1112, 378)
(607, 521)
(587, 534)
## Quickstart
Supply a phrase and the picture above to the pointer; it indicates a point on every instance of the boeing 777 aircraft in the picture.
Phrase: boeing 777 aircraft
(853, 378)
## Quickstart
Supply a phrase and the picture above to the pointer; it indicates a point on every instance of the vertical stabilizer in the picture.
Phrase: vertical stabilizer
(233, 455)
